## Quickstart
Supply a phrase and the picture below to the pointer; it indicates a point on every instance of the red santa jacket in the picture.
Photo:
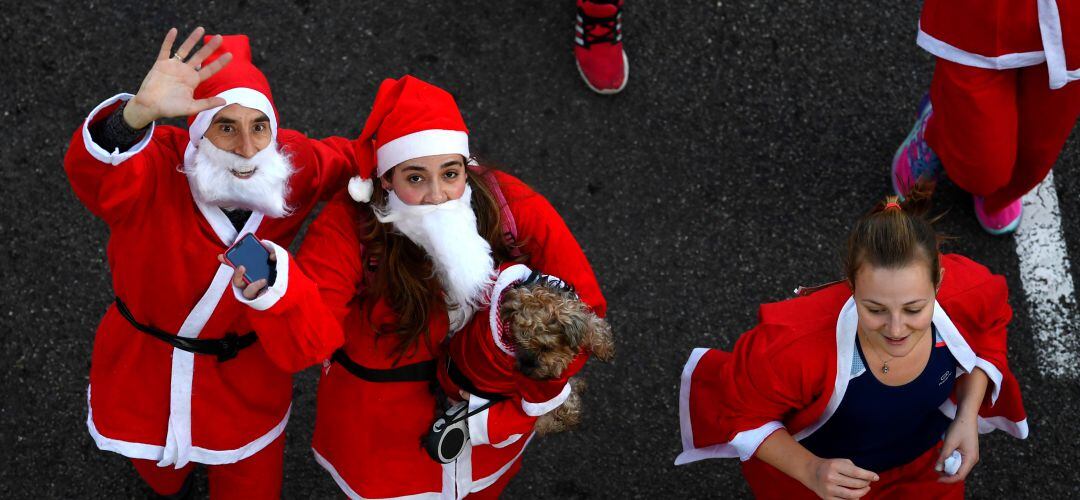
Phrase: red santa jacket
(146, 399)
(367, 434)
(1005, 34)
(482, 355)
(775, 377)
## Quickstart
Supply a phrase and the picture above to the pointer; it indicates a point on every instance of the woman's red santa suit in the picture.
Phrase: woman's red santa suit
(151, 401)
(368, 432)
(872, 386)
(729, 403)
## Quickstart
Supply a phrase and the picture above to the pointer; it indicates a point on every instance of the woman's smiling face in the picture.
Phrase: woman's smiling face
(895, 306)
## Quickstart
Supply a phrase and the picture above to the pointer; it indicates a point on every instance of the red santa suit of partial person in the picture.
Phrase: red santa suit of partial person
(148, 400)
(1001, 93)
(485, 357)
(791, 371)
(368, 434)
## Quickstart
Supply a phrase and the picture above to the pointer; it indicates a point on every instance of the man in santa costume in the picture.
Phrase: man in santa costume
(1001, 102)
(399, 272)
(179, 375)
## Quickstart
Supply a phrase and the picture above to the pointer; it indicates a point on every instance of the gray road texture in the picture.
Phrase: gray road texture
(750, 137)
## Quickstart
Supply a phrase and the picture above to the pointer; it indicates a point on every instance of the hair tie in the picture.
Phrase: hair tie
(892, 205)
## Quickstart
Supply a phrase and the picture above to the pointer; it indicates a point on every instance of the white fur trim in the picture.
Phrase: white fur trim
(686, 427)
(537, 409)
(1053, 45)
(199, 455)
(478, 426)
(507, 277)
(223, 228)
(994, 375)
(482, 483)
(986, 425)
(349, 492)
(98, 152)
(420, 144)
(743, 445)
(178, 448)
(951, 53)
(125, 448)
(360, 189)
(847, 326)
(275, 292)
(953, 339)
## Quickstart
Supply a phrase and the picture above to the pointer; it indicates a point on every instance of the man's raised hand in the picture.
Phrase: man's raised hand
(167, 91)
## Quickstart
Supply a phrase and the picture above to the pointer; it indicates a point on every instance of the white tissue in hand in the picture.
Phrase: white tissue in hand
(952, 464)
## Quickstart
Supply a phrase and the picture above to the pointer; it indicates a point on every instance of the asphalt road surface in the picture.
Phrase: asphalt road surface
(750, 137)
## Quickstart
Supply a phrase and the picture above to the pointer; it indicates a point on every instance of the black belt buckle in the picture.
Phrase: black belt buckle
(229, 347)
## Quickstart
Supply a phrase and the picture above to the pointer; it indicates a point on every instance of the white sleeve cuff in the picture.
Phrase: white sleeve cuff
(275, 292)
(537, 409)
(743, 445)
(478, 425)
(115, 157)
(994, 375)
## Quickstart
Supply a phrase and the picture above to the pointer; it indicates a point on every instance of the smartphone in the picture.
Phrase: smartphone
(250, 253)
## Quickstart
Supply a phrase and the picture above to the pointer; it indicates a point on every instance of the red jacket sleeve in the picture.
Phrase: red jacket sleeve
(550, 246)
(302, 316)
(335, 164)
(730, 402)
(501, 425)
(114, 184)
(295, 328)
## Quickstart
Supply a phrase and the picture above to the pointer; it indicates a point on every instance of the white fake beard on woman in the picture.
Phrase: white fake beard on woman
(448, 233)
(213, 183)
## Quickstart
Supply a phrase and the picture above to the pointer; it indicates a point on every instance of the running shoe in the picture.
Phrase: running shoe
(598, 48)
(1002, 222)
(914, 159)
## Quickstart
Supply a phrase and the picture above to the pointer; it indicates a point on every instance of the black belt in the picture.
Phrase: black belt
(463, 382)
(224, 348)
(423, 371)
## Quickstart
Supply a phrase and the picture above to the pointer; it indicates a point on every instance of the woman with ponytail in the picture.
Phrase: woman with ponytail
(875, 386)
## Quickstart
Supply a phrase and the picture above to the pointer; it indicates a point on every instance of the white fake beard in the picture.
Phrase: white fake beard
(213, 183)
(447, 232)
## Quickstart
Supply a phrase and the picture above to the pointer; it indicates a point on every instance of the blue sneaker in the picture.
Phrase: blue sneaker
(914, 159)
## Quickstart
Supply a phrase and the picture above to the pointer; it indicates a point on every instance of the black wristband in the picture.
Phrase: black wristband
(114, 133)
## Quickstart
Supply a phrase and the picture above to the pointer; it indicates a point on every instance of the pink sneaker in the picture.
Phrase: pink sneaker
(999, 223)
(598, 45)
(914, 159)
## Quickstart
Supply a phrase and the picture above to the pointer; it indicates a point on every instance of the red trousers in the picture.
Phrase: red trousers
(998, 132)
(258, 476)
(916, 479)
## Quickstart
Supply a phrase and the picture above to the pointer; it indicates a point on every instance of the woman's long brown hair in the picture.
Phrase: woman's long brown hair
(404, 276)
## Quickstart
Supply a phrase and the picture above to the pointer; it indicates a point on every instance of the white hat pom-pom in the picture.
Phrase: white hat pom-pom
(360, 189)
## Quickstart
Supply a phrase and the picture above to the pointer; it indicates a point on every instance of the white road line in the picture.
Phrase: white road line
(1045, 274)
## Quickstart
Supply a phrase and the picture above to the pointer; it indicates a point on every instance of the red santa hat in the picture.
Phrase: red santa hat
(239, 82)
(410, 119)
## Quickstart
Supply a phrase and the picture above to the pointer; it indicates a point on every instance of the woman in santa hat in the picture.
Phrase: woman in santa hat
(876, 386)
(1001, 104)
(400, 271)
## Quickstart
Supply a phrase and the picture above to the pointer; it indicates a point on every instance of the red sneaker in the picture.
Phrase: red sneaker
(598, 45)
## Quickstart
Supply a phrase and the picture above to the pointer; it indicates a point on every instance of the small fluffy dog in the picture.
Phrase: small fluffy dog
(536, 335)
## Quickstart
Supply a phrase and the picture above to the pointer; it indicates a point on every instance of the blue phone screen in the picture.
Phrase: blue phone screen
(253, 256)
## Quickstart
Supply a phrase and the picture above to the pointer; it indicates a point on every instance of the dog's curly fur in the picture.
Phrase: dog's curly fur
(549, 325)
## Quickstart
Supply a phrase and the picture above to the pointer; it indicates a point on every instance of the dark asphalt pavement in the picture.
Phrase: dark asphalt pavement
(749, 138)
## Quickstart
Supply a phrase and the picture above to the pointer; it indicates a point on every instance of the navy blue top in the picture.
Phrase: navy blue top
(879, 427)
